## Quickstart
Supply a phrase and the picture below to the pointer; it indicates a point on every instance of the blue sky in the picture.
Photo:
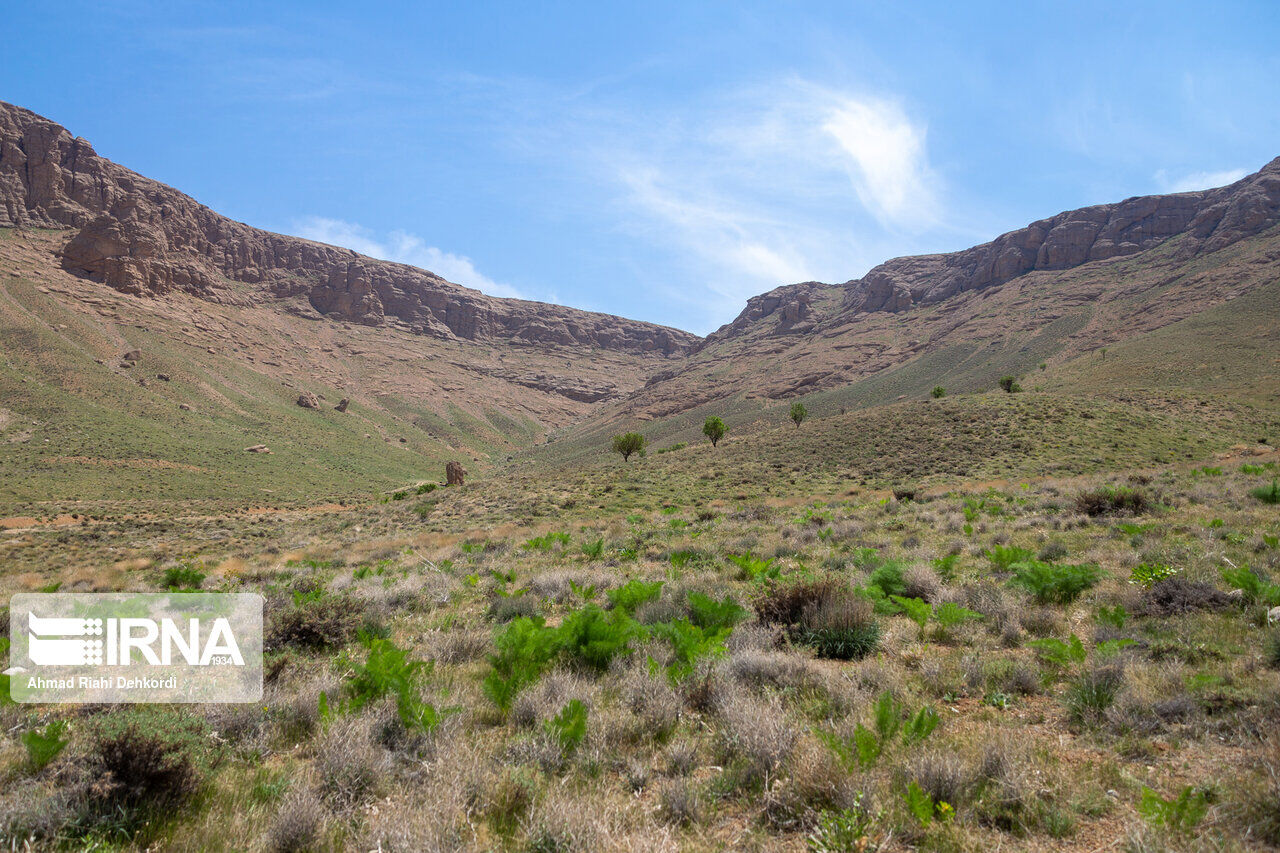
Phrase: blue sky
(658, 161)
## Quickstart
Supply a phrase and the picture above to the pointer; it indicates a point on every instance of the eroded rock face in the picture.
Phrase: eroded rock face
(1202, 222)
(454, 473)
(142, 237)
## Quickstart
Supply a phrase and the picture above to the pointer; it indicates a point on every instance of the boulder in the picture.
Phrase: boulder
(257, 448)
(163, 377)
(342, 405)
(454, 473)
(307, 400)
(132, 355)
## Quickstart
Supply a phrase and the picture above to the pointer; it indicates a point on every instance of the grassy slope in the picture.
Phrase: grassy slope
(969, 342)
(78, 431)
(1227, 357)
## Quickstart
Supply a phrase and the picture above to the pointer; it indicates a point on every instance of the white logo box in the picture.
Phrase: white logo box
(135, 647)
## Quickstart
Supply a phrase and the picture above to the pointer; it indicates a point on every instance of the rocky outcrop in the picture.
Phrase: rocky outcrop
(454, 473)
(1203, 222)
(307, 400)
(574, 388)
(142, 237)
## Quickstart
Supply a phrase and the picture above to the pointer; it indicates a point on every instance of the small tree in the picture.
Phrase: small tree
(798, 413)
(628, 443)
(938, 391)
(714, 429)
(1010, 385)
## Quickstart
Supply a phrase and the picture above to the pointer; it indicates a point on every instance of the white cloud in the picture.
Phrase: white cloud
(1198, 180)
(890, 169)
(404, 248)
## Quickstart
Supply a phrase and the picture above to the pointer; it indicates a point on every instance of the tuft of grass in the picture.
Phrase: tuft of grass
(1268, 494)
(1113, 500)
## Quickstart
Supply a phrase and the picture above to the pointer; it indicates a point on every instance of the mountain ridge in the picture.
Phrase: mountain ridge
(1213, 218)
(143, 237)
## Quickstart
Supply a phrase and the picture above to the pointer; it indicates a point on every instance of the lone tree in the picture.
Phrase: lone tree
(628, 443)
(714, 429)
(1010, 385)
(798, 413)
(938, 391)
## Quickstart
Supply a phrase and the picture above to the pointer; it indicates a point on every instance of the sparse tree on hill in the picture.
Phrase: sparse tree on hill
(714, 429)
(938, 391)
(627, 444)
(798, 413)
(1010, 385)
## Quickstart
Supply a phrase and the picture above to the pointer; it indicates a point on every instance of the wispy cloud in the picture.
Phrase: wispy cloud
(889, 168)
(401, 247)
(1197, 180)
(773, 185)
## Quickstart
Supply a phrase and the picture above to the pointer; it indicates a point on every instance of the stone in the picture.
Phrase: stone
(454, 473)
(257, 448)
(342, 405)
(185, 407)
(1273, 616)
(163, 377)
(307, 400)
(132, 355)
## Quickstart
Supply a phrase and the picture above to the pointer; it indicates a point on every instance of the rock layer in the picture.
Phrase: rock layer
(142, 237)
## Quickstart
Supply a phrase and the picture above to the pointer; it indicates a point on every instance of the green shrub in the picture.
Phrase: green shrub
(890, 724)
(938, 392)
(547, 542)
(1054, 584)
(798, 413)
(1114, 617)
(1181, 814)
(184, 577)
(388, 671)
(592, 637)
(569, 727)
(1003, 557)
(634, 593)
(43, 746)
(754, 568)
(1256, 590)
(524, 650)
(1009, 384)
(844, 831)
(1268, 494)
(594, 550)
(689, 644)
(707, 613)
(886, 580)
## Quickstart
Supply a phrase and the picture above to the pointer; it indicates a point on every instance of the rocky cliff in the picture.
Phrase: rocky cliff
(142, 237)
(1205, 222)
